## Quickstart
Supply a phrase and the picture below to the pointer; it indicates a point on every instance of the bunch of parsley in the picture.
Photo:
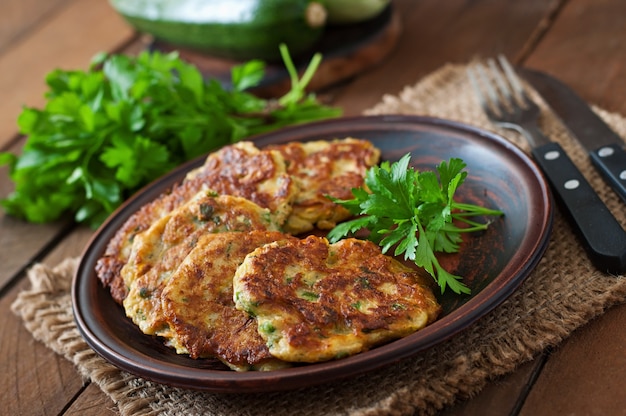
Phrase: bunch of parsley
(416, 213)
(107, 131)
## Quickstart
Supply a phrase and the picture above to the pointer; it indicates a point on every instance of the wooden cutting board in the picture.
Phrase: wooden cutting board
(347, 51)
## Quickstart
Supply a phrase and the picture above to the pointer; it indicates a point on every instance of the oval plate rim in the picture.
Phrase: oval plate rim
(91, 327)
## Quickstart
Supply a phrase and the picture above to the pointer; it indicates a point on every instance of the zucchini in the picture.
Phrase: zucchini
(353, 11)
(240, 29)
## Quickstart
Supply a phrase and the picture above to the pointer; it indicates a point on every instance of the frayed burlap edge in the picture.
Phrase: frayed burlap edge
(563, 293)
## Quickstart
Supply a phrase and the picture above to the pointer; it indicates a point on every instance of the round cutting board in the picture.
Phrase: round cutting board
(347, 51)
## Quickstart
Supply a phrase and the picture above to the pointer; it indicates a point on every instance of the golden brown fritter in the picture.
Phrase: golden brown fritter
(258, 175)
(325, 168)
(198, 303)
(240, 169)
(158, 252)
(315, 302)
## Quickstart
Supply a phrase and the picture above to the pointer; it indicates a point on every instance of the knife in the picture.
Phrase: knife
(604, 146)
(601, 234)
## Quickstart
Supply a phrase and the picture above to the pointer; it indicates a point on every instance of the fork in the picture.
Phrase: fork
(504, 100)
(507, 104)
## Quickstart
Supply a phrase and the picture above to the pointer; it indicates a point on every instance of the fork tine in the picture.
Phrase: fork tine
(504, 85)
(515, 82)
(482, 84)
(511, 75)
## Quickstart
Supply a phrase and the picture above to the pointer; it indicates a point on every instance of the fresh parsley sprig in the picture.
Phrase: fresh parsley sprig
(416, 213)
(107, 131)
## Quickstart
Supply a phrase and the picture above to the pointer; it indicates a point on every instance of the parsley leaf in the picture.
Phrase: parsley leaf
(107, 131)
(416, 213)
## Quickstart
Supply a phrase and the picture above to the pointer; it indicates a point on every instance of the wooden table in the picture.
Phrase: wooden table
(580, 41)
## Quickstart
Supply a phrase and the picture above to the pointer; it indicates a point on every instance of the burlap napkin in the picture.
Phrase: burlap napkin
(563, 293)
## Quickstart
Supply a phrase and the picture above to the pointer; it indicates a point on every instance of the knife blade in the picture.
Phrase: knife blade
(605, 147)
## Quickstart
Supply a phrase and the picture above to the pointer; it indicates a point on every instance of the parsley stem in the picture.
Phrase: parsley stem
(472, 210)
(474, 226)
(298, 86)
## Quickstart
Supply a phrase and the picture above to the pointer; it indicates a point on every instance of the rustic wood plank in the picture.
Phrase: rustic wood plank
(593, 361)
(20, 16)
(35, 381)
(67, 40)
(499, 397)
(437, 32)
(588, 31)
(21, 243)
(92, 402)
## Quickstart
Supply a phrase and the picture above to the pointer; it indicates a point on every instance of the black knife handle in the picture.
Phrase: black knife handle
(602, 235)
(611, 162)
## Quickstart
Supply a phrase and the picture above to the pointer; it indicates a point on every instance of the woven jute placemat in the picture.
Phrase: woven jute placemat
(563, 293)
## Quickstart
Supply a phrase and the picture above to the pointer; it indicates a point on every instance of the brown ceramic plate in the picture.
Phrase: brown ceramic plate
(494, 263)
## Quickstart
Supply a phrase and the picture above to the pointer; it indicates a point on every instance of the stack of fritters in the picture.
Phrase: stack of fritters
(240, 170)
(198, 303)
(158, 252)
(172, 264)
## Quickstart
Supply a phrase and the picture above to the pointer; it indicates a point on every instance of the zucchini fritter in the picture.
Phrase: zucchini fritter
(315, 302)
(325, 168)
(258, 175)
(198, 303)
(158, 252)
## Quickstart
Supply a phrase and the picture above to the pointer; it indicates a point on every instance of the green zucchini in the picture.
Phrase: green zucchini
(236, 29)
(353, 11)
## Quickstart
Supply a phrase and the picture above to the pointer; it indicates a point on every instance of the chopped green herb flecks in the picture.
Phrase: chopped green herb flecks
(364, 282)
(267, 328)
(398, 307)
(206, 210)
(310, 296)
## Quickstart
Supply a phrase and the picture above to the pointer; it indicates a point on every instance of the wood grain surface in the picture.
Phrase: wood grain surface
(579, 41)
